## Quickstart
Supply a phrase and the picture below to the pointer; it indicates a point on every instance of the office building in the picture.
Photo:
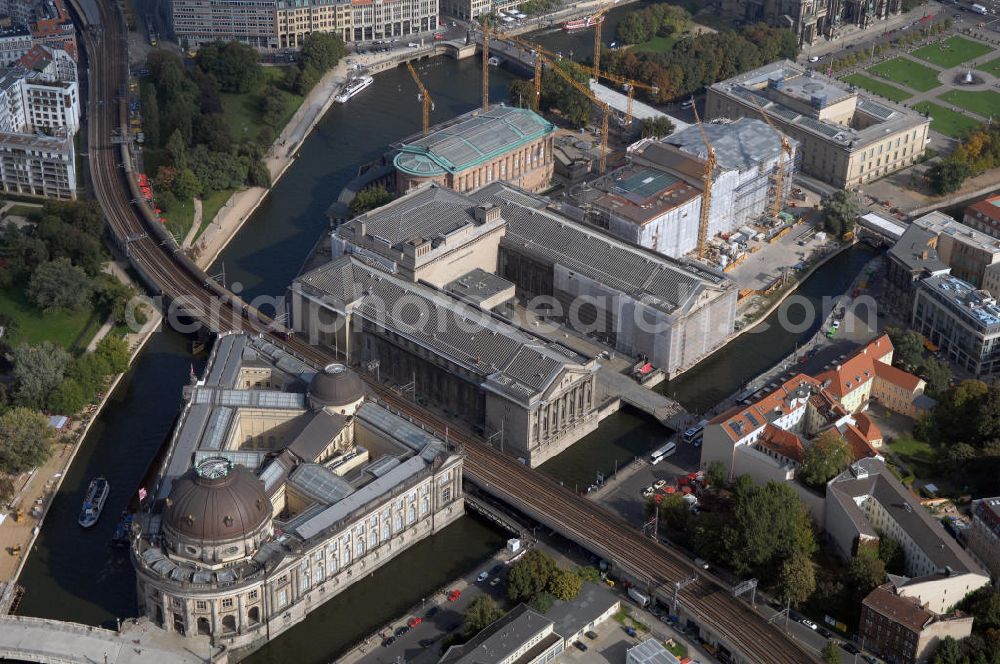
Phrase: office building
(283, 486)
(503, 144)
(908, 262)
(470, 9)
(251, 22)
(811, 19)
(902, 630)
(534, 398)
(655, 201)
(845, 136)
(984, 215)
(962, 321)
(983, 536)
(972, 255)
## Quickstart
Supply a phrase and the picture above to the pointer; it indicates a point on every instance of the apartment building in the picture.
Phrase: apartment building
(902, 630)
(983, 536)
(38, 165)
(962, 321)
(251, 22)
(15, 42)
(811, 19)
(502, 144)
(353, 20)
(972, 255)
(845, 136)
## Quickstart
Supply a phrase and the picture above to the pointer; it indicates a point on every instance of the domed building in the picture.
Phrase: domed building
(282, 486)
(215, 514)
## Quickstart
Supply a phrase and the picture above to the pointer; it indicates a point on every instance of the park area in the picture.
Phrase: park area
(656, 45)
(890, 92)
(952, 52)
(992, 67)
(985, 103)
(946, 121)
(72, 330)
(909, 73)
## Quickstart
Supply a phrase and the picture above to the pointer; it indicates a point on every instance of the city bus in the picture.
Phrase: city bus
(660, 453)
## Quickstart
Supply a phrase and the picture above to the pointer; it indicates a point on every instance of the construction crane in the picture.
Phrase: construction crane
(598, 17)
(786, 148)
(630, 88)
(706, 181)
(486, 62)
(538, 85)
(424, 97)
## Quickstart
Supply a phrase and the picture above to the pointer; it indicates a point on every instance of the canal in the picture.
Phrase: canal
(74, 575)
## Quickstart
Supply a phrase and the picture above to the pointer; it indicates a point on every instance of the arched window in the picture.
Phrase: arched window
(253, 615)
(204, 627)
(229, 624)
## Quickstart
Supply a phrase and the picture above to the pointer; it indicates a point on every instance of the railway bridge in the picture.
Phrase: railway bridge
(168, 272)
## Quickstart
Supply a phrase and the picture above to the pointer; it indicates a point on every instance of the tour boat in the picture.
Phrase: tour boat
(93, 501)
(579, 24)
(122, 530)
(353, 87)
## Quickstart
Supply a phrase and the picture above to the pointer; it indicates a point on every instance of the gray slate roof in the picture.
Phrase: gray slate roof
(426, 213)
(914, 251)
(739, 145)
(501, 639)
(509, 360)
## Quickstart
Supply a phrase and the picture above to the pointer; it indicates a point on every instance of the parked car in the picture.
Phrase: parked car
(431, 612)
(482, 576)
(850, 647)
(496, 569)
(581, 646)
(388, 641)
(808, 623)
(495, 581)
(426, 643)
(591, 634)
(401, 631)
(630, 631)
(814, 58)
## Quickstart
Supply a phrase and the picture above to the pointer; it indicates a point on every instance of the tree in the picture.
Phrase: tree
(937, 374)
(657, 127)
(369, 199)
(59, 285)
(150, 115)
(90, 371)
(177, 150)
(866, 572)
(908, 347)
(716, 473)
(68, 398)
(321, 50)
(840, 210)
(674, 511)
(186, 186)
(115, 352)
(234, 65)
(564, 585)
(480, 614)
(271, 103)
(529, 576)
(542, 602)
(6, 490)
(948, 175)
(25, 440)
(521, 92)
(38, 370)
(892, 554)
(948, 652)
(826, 458)
(797, 579)
(830, 654)
(557, 93)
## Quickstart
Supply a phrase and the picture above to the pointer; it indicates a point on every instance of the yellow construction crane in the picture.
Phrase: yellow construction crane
(630, 88)
(425, 98)
(706, 180)
(599, 18)
(486, 62)
(538, 85)
(786, 148)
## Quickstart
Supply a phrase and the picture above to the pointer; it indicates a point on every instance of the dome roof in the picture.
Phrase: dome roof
(216, 502)
(336, 385)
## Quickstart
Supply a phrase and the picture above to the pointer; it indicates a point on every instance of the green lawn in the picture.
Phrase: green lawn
(656, 45)
(179, 219)
(72, 331)
(985, 102)
(242, 113)
(210, 207)
(945, 120)
(991, 67)
(878, 87)
(952, 51)
(916, 454)
(909, 73)
(21, 210)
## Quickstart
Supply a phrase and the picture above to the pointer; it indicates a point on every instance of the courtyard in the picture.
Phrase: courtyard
(952, 52)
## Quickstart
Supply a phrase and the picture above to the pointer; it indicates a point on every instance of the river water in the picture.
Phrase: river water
(74, 575)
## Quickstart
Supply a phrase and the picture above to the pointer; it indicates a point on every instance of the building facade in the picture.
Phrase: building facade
(353, 20)
(38, 165)
(251, 22)
(962, 321)
(503, 144)
(15, 42)
(283, 486)
(984, 216)
(845, 136)
(903, 631)
(984, 534)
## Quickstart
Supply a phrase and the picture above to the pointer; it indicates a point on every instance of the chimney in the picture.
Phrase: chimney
(486, 213)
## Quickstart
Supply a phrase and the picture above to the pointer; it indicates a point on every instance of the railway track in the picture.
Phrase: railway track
(169, 273)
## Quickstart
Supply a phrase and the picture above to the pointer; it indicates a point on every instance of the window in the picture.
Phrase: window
(200, 605)
(252, 594)
(227, 603)
(411, 515)
(282, 598)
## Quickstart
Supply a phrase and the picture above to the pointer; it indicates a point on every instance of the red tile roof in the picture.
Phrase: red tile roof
(989, 207)
(860, 447)
(857, 370)
(867, 427)
(891, 374)
(740, 421)
(905, 611)
(37, 58)
(783, 442)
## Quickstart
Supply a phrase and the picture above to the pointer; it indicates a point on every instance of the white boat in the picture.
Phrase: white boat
(93, 501)
(353, 87)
